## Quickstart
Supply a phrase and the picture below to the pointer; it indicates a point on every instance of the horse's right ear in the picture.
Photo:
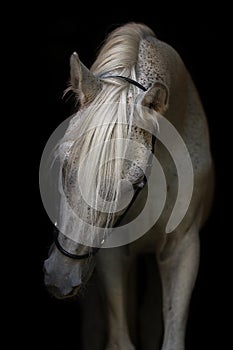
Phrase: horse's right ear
(84, 84)
(157, 97)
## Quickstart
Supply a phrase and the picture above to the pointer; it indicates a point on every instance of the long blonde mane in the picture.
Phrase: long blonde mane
(93, 158)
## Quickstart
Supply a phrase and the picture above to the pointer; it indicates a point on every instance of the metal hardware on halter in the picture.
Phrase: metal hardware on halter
(129, 80)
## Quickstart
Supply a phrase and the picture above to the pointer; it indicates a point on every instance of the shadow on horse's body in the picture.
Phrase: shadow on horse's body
(143, 306)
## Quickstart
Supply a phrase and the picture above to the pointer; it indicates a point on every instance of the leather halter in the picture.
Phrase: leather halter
(137, 188)
(62, 250)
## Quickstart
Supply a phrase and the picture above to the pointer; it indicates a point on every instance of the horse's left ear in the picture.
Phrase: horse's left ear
(85, 85)
(157, 97)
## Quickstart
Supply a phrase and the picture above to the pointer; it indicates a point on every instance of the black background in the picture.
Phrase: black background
(52, 34)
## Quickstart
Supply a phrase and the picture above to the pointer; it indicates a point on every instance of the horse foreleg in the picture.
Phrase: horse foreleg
(113, 267)
(178, 265)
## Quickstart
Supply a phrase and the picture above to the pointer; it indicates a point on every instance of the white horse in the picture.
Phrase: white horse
(136, 83)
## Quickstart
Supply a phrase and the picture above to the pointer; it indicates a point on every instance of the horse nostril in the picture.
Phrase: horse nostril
(53, 290)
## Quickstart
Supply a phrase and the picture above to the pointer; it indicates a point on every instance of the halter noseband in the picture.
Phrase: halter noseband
(93, 251)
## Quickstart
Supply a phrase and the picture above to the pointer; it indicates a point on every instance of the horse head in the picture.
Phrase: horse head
(104, 155)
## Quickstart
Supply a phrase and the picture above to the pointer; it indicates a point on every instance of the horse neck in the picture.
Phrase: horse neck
(159, 62)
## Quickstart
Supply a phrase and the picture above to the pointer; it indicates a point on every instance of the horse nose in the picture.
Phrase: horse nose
(53, 290)
(59, 288)
(58, 292)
